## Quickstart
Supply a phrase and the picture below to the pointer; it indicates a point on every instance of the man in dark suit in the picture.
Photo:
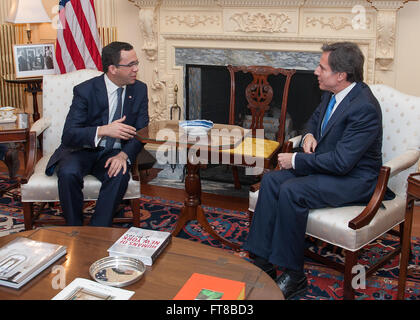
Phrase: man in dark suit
(99, 136)
(339, 166)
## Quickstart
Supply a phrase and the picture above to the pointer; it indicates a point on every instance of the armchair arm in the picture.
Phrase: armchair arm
(296, 141)
(403, 161)
(372, 207)
(286, 148)
(40, 125)
(31, 160)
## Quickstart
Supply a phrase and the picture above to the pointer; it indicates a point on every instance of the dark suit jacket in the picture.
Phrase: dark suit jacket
(89, 109)
(351, 146)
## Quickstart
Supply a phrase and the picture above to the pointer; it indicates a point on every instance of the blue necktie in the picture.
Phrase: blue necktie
(117, 115)
(328, 113)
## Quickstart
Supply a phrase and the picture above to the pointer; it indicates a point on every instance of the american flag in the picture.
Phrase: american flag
(78, 45)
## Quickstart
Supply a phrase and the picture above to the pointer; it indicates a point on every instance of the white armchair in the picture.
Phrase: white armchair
(38, 187)
(353, 227)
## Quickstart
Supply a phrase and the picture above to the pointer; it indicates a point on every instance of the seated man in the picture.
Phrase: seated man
(339, 166)
(99, 136)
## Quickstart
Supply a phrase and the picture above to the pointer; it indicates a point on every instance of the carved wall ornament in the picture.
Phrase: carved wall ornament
(386, 24)
(335, 23)
(193, 20)
(261, 22)
(148, 22)
(156, 83)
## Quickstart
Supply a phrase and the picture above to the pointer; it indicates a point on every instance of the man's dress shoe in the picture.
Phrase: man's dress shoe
(266, 266)
(292, 284)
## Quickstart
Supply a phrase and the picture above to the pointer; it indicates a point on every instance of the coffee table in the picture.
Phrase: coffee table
(215, 148)
(161, 281)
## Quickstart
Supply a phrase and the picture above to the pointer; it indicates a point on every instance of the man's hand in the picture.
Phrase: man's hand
(285, 160)
(115, 164)
(309, 144)
(117, 129)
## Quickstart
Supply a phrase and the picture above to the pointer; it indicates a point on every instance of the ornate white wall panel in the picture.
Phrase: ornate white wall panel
(260, 25)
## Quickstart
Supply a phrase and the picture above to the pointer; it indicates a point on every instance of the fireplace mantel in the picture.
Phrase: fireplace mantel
(260, 25)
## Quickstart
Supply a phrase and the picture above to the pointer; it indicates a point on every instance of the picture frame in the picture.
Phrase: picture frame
(33, 60)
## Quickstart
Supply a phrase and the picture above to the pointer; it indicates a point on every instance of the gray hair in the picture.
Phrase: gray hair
(346, 57)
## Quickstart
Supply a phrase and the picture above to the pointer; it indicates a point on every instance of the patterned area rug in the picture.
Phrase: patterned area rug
(324, 283)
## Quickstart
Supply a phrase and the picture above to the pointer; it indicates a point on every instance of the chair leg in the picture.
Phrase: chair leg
(250, 216)
(236, 178)
(349, 262)
(401, 235)
(28, 214)
(135, 208)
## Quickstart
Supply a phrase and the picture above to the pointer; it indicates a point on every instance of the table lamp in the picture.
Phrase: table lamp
(27, 11)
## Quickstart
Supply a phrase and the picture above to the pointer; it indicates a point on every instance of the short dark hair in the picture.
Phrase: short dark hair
(111, 54)
(346, 57)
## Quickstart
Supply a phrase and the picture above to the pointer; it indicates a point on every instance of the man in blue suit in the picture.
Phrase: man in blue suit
(339, 166)
(99, 136)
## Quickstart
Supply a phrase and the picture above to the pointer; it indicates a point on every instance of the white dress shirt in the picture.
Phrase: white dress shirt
(111, 89)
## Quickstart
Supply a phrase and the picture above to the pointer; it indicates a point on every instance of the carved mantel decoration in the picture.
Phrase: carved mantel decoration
(262, 25)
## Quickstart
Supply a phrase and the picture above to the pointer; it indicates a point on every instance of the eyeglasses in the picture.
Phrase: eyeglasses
(130, 65)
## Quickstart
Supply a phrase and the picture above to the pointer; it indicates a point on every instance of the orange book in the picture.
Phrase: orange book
(203, 287)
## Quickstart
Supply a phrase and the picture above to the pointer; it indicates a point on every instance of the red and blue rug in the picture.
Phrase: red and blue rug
(324, 283)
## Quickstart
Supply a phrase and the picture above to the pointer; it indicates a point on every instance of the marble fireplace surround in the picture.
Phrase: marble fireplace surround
(174, 31)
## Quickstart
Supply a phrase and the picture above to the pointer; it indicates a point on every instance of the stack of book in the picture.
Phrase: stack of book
(22, 259)
(142, 244)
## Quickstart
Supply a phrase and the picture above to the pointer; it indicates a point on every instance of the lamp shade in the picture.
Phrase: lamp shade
(27, 11)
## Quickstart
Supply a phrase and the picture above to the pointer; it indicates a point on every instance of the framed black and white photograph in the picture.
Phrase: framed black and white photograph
(33, 60)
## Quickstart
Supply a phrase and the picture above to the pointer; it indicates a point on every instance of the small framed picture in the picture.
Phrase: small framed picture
(33, 60)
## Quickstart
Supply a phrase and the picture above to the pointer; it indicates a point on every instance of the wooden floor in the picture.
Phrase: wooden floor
(227, 202)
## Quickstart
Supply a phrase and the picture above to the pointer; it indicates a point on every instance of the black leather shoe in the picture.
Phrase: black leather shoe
(292, 285)
(266, 266)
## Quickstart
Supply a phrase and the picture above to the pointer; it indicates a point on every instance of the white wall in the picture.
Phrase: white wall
(407, 60)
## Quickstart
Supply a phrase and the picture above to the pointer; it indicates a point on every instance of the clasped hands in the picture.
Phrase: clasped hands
(285, 159)
(117, 129)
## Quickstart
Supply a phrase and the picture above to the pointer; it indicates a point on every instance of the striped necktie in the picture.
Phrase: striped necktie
(117, 115)
(328, 113)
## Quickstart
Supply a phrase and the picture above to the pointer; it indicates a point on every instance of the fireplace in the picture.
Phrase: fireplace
(207, 90)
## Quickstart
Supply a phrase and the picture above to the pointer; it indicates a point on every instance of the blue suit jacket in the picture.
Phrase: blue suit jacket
(348, 155)
(89, 109)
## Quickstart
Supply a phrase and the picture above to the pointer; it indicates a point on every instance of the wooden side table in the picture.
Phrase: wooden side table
(413, 194)
(33, 85)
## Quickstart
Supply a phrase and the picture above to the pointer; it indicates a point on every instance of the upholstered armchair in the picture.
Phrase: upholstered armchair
(38, 187)
(352, 228)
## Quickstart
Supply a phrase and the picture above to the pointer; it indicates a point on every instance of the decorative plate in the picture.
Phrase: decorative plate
(117, 271)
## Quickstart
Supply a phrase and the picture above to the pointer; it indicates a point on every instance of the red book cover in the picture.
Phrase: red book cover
(205, 287)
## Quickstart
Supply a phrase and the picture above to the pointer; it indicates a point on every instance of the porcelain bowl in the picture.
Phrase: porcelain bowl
(196, 127)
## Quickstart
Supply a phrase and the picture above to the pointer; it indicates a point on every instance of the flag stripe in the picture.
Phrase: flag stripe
(92, 27)
(87, 45)
(78, 45)
(73, 38)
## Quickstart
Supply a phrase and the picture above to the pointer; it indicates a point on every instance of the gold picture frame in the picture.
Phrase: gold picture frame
(33, 60)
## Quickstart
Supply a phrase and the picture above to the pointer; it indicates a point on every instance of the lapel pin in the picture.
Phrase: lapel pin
(129, 97)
